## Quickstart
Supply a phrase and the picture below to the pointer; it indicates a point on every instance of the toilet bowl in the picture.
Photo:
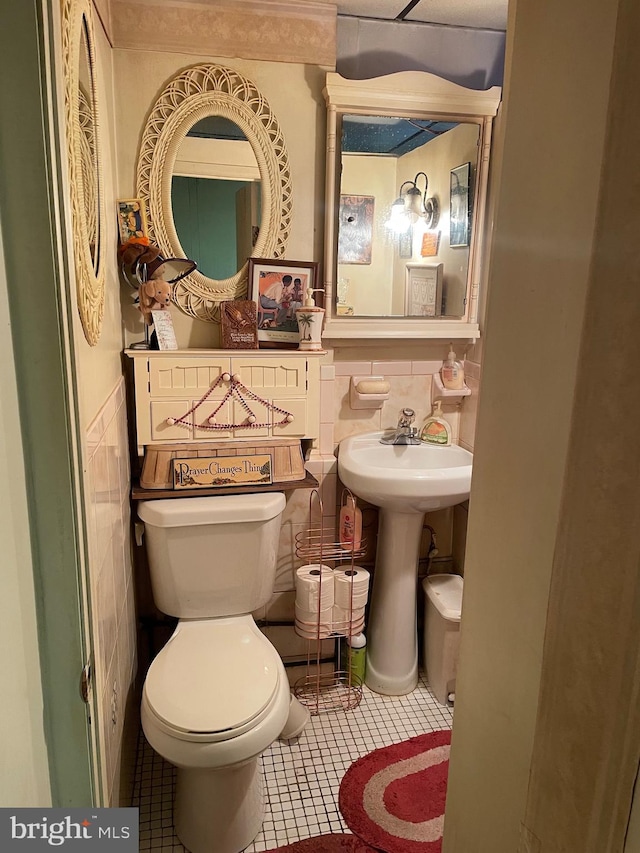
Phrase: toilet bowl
(217, 695)
(214, 699)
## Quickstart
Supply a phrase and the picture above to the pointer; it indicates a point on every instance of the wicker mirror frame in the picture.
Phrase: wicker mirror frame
(198, 92)
(85, 167)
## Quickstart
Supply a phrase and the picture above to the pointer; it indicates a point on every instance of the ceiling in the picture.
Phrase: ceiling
(390, 136)
(483, 14)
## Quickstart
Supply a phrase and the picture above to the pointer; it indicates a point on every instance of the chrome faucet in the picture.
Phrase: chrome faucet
(404, 432)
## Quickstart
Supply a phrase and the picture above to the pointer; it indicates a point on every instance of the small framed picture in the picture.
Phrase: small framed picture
(459, 210)
(430, 244)
(132, 219)
(279, 288)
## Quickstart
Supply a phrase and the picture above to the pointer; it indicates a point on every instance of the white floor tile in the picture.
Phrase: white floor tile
(302, 777)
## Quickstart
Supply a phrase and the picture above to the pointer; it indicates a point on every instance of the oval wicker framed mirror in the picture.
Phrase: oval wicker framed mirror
(195, 94)
(84, 161)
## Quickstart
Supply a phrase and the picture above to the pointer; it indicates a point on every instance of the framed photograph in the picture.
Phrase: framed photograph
(278, 288)
(423, 290)
(459, 207)
(132, 219)
(355, 229)
(405, 243)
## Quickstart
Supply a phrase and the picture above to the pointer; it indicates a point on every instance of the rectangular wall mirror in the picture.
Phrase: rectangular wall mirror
(407, 166)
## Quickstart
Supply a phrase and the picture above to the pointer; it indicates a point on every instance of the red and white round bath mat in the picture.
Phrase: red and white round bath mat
(394, 797)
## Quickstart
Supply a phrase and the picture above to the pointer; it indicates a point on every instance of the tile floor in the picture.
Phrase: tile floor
(302, 777)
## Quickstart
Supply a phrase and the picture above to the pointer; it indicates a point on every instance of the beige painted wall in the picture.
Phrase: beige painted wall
(369, 285)
(545, 230)
(24, 780)
(140, 76)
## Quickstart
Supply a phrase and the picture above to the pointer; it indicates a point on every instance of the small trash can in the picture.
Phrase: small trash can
(443, 605)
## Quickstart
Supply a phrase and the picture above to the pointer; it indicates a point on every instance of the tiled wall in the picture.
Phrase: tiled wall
(107, 483)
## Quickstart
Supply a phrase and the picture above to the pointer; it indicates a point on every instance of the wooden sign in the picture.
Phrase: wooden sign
(239, 324)
(430, 244)
(211, 472)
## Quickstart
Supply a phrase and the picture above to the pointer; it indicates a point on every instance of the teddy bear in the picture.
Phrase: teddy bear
(153, 295)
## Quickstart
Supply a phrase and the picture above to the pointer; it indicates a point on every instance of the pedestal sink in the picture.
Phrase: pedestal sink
(405, 481)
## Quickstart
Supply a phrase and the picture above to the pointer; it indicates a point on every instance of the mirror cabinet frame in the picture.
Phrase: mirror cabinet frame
(416, 95)
(201, 91)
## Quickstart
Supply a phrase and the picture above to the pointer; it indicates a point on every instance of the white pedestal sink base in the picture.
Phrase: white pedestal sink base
(392, 647)
(404, 481)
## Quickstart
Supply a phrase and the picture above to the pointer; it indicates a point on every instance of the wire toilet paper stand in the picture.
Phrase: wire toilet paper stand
(340, 689)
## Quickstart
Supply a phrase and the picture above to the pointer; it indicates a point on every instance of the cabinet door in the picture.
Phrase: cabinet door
(161, 410)
(262, 414)
(269, 377)
(192, 377)
(204, 412)
(298, 408)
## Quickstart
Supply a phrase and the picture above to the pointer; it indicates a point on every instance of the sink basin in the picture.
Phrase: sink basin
(405, 481)
(408, 478)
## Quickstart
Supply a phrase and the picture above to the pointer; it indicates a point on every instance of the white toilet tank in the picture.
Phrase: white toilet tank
(212, 556)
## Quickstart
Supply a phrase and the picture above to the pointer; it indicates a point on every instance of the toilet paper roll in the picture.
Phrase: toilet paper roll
(312, 634)
(346, 580)
(311, 618)
(314, 586)
(346, 621)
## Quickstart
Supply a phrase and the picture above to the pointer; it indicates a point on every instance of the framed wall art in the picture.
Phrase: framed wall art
(459, 208)
(279, 288)
(132, 219)
(355, 229)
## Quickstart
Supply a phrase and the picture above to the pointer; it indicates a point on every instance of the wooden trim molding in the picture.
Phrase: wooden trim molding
(271, 30)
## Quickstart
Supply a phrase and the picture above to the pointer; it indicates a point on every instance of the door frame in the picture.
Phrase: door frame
(37, 262)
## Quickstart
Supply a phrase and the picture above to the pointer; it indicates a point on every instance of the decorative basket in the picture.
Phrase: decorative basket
(286, 458)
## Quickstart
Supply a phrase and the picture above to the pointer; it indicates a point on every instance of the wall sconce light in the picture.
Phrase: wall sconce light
(412, 204)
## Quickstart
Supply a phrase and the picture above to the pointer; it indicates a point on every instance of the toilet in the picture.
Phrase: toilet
(217, 695)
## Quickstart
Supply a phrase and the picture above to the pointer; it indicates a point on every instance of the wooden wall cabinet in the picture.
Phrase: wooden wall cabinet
(168, 384)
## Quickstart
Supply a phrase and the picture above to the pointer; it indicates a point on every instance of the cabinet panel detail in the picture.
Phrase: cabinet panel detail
(286, 376)
(168, 378)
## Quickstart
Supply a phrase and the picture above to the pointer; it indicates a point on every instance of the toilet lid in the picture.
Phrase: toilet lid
(213, 676)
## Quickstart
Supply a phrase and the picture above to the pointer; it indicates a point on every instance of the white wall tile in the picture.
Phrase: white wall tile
(107, 484)
(327, 372)
(391, 368)
(353, 368)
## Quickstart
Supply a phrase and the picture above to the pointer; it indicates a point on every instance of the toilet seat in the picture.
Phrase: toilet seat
(214, 680)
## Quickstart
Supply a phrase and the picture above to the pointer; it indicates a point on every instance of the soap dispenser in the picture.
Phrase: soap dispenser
(436, 429)
(452, 372)
(309, 317)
